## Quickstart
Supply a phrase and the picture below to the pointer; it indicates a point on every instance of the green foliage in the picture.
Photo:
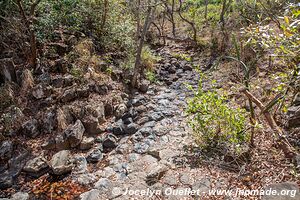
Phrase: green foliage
(213, 121)
(182, 56)
(148, 59)
(86, 16)
(150, 75)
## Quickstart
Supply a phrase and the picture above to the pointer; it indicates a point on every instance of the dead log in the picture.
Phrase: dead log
(278, 133)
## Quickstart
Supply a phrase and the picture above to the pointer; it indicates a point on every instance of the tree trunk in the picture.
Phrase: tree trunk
(172, 19)
(187, 21)
(205, 12)
(140, 47)
(104, 15)
(282, 142)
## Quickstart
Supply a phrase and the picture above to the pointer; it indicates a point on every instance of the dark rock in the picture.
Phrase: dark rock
(49, 144)
(68, 95)
(96, 110)
(82, 92)
(294, 116)
(61, 142)
(118, 128)
(61, 162)
(49, 122)
(120, 110)
(6, 180)
(131, 128)
(6, 150)
(127, 120)
(296, 101)
(187, 67)
(108, 109)
(156, 116)
(31, 128)
(144, 85)
(36, 167)
(74, 133)
(91, 125)
(110, 141)
(15, 165)
(94, 156)
(86, 143)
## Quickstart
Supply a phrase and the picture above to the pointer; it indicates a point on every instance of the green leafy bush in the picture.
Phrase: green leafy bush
(213, 121)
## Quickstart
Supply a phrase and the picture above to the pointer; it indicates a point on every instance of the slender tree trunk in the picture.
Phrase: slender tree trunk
(138, 19)
(172, 18)
(205, 12)
(187, 21)
(29, 23)
(104, 15)
(140, 47)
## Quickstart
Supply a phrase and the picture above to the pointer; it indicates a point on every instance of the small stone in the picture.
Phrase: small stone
(61, 162)
(94, 156)
(86, 143)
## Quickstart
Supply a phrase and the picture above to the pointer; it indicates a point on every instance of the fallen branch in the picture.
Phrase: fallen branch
(282, 142)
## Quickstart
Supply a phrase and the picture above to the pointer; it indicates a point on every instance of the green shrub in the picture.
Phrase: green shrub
(148, 59)
(213, 121)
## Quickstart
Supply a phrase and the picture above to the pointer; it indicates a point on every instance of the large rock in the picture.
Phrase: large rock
(284, 191)
(74, 133)
(61, 162)
(36, 166)
(31, 128)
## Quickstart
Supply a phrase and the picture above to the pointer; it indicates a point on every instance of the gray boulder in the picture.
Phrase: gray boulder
(61, 162)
